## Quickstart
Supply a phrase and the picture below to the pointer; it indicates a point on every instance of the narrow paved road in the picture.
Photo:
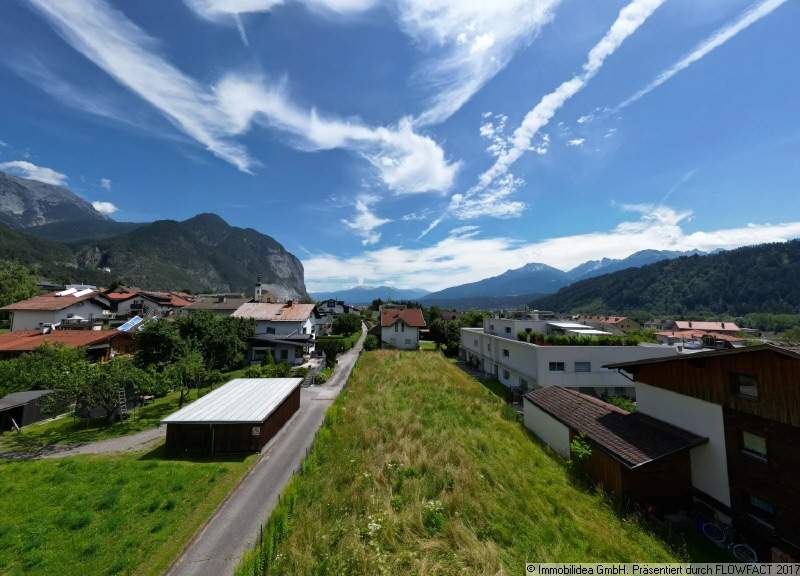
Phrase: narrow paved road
(217, 549)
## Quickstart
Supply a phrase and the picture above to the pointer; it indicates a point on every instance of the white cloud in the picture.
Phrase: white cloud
(711, 43)
(464, 231)
(32, 171)
(494, 201)
(576, 142)
(406, 161)
(630, 18)
(457, 259)
(586, 118)
(106, 208)
(423, 214)
(466, 42)
(366, 221)
(105, 183)
(3, 144)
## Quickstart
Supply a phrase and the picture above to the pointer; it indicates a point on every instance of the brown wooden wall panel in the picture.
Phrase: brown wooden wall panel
(709, 379)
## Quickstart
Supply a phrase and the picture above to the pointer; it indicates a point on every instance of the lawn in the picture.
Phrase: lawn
(68, 430)
(419, 469)
(92, 515)
(427, 345)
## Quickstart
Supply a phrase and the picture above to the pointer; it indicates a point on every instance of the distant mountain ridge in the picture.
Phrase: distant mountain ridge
(201, 254)
(366, 294)
(761, 278)
(536, 278)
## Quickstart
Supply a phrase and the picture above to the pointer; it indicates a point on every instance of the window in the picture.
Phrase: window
(523, 383)
(583, 366)
(506, 375)
(408, 341)
(754, 445)
(255, 431)
(476, 341)
(556, 367)
(284, 354)
(762, 509)
(508, 329)
(744, 385)
(491, 327)
(488, 345)
(397, 327)
(505, 352)
(270, 330)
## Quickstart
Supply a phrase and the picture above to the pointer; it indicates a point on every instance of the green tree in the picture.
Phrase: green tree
(438, 332)
(222, 340)
(16, 282)
(46, 368)
(370, 342)
(330, 347)
(347, 324)
(187, 373)
(159, 344)
(472, 319)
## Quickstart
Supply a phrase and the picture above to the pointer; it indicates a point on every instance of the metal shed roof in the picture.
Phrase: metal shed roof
(240, 401)
(19, 398)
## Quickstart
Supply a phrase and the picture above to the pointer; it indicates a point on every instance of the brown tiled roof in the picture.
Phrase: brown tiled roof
(27, 340)
(275, 312)
(411, 316)
(788, 351)
(50, 301)
(707, 326)
(632, 438)
(691, 334)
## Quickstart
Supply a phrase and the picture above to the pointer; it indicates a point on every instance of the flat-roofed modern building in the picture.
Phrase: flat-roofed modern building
(240, 416)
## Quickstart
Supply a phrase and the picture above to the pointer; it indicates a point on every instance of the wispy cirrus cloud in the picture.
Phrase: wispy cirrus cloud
(720, 37)
(33, 172)
(366, 222)
(105, 183)
(406, 161)
(461, 258)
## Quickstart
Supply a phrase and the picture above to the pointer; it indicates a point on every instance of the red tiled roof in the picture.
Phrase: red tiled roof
(411, 316)
(50, 301)
(707, 326)
(692, 334)
(27, 340)
(274, 312)
(632, 438)
(605, 319)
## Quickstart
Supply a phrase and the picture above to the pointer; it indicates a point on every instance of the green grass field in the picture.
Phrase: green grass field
(427, 345)
(67, 430)
(92, 515)
(420, 469)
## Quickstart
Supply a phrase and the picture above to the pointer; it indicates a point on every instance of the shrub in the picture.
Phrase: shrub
(347, 324)
(371, 342)
(523, 336)
(580, 450)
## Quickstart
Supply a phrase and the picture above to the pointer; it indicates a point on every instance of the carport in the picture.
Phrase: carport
(240, 416)
(21, 408)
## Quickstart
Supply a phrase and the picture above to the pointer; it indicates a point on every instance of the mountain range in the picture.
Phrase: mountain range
(366, 294)
(66, 240)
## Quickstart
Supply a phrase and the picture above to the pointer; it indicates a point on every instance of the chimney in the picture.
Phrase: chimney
(289, 303)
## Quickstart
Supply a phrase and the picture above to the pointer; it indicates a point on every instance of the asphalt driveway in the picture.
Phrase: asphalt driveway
(219, 546)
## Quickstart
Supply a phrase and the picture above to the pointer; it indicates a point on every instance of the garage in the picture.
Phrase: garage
(240, 416)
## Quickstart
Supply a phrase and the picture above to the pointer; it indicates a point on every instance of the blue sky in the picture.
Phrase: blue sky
(417, 143)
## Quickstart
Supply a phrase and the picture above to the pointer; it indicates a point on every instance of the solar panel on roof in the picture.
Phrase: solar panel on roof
(83, 292)
(130, 324)
(66, 292)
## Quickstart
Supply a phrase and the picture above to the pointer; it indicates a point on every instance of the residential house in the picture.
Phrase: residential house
(400, 327)
(746, 401)
(222, 304)
(715, 327)
(633, 455)
(19, 409)
(71, 305)
(100, 345)
(523, 366)
(614, 324)
(699, 339)
(127, 302)
(329, 310)
(285, 330)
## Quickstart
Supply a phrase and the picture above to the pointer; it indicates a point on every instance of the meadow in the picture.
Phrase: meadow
(127, 514)
(420, 469)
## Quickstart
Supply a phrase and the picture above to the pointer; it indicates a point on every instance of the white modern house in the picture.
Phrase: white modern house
(56, 307)
(286, 330)
(400, 327)
(525, 366)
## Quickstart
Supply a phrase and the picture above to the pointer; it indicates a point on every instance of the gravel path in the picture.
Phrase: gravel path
(130, 443)
(218, 547)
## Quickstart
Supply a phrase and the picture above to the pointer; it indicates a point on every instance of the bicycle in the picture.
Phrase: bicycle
(726, 537)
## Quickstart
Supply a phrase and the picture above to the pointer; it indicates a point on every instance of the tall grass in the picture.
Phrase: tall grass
(420, 470)
(106, 514)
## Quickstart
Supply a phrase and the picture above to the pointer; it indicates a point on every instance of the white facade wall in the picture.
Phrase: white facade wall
(517, 363)
(400, 335)
(33, 319)
(285, 327)
(709, 462)
(546, 428)
(509, 327)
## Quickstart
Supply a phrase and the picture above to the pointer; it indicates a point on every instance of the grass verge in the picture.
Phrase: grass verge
(87, 515)
(420, 469)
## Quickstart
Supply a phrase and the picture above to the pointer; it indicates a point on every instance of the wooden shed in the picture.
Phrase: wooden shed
(634, 456)
(240, 416)
(19, 409)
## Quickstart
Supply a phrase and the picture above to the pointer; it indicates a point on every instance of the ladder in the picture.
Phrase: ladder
(122, 403)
